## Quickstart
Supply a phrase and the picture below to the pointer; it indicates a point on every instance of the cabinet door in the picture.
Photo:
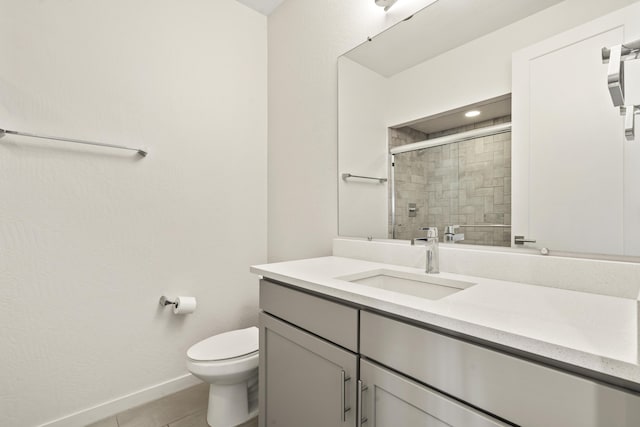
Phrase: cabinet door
(391, 400)
(304, 380)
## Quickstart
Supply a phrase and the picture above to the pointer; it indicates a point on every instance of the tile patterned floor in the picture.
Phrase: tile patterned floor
(187, 408)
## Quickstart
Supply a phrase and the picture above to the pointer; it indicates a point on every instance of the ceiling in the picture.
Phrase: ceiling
(489, 109)
(438, 28)
(263, 6)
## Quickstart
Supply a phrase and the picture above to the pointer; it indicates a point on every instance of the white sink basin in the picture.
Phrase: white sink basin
(427, 286)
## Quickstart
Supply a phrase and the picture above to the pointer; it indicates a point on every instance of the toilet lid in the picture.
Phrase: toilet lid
(227, 345)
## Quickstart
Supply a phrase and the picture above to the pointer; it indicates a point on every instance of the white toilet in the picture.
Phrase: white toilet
(229, 363)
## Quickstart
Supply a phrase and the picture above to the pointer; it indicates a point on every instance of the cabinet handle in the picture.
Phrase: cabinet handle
(343, 392)
(361, 389)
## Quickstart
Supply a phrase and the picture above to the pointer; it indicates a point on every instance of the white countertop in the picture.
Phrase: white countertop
(591, 331)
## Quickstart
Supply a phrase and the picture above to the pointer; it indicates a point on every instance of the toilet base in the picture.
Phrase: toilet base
(231, 405)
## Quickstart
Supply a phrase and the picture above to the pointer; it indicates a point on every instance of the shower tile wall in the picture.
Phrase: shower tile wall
(462, 183)
(428, 178)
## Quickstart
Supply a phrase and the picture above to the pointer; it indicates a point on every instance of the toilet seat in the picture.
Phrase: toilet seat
(229, 345)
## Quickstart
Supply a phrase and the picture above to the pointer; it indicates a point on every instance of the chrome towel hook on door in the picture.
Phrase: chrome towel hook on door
(616, 57)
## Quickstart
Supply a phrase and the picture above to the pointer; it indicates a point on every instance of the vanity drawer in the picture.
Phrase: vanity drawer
(520, 391)
(330, 320)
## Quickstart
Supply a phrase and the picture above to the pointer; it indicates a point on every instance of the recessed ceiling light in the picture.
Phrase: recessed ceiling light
(472, 113)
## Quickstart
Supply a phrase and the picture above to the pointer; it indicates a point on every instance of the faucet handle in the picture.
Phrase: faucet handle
(431, 231)
(451, 229)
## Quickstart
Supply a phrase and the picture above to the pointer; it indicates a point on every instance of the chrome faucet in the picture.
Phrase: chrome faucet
(450, 234)
(431, 243)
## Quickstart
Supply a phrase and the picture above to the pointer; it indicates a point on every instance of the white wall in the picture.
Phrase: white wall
(90, 238)
(363, 151)
(305, 39)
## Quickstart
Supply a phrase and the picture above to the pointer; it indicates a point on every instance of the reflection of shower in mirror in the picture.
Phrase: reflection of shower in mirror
(454, 168)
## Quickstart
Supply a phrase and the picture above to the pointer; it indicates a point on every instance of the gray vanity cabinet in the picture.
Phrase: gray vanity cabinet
(523, 392)
(305, 380)
(392, 400)
(311, 348)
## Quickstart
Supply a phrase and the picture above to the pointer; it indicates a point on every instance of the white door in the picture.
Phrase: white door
(573, 188)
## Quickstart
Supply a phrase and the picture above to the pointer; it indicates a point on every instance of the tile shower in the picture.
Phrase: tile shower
(465, 182)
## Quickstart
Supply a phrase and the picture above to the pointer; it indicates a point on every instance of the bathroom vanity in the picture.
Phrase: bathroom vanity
(345, 342)
(507, 338)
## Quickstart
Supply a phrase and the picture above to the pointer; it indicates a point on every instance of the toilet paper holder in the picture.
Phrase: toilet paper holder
(181, 304)
(164, 301)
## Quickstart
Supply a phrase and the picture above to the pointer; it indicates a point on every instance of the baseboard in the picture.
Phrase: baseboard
(115, 406)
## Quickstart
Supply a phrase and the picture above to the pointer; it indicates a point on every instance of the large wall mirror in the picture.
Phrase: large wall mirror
(492, 120)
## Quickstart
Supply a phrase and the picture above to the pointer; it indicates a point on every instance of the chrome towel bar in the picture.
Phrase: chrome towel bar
(140, 151)
(348, 175)
(629, 50)
(482, 225)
